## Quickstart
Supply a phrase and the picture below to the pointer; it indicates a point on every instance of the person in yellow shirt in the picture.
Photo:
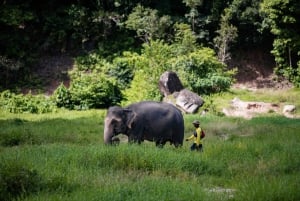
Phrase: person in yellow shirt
(197, 145)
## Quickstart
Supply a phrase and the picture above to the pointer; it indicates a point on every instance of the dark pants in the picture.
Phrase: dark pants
(197, 148)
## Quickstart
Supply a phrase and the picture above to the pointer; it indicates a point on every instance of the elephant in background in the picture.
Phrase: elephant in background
(148, 120)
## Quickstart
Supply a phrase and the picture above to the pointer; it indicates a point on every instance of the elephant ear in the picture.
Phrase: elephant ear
(130, 117)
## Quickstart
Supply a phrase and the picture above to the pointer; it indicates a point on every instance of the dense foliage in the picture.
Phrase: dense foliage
(282, 18)
(118, 44)
(19, 103)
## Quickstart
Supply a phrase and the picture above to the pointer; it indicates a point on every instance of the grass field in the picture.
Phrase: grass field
(61, 156)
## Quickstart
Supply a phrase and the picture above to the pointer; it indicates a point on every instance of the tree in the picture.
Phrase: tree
(148, 24)
(226, 35)
(185, 39)
(148, 67)
(193, 14)
(282, 18)
(16, 47)
(244, 14)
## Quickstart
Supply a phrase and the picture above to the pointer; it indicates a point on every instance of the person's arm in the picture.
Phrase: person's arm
(189, 138)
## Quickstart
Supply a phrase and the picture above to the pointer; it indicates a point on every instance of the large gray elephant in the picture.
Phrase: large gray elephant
(153, 121)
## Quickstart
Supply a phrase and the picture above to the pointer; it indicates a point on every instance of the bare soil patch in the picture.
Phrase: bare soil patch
(256, 70)
(250, 109)
(51, 71)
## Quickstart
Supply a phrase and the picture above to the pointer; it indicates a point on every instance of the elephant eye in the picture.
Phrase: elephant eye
(115, 122)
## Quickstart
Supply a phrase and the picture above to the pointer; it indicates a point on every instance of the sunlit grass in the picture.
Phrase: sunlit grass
(238, 167)
(61, 156)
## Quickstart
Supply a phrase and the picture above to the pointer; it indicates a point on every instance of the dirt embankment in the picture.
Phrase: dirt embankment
(51, 71)
(255, 70)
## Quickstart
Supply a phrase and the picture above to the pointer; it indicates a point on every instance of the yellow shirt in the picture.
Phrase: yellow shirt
(197, 140)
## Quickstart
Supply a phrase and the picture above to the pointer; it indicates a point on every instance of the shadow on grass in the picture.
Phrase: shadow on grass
(83, 130)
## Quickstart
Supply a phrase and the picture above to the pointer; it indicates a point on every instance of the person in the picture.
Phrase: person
(197, 145)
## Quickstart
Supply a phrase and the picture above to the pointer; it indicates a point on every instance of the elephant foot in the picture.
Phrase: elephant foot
(115, 141)
(160, 144)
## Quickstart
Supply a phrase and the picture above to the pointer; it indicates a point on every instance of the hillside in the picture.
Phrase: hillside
(255, 71)
(31, 30)
(51, 71)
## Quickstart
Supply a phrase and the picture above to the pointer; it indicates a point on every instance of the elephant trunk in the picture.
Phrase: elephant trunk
(108, 134)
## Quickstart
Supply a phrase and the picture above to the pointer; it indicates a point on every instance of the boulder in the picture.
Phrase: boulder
(169, 83)
(289, 109)
(188, 101)
(174, 92)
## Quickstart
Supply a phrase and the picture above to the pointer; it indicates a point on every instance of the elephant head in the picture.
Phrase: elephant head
(118, 120)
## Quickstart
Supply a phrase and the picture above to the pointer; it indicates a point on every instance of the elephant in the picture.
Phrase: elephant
(147, 120)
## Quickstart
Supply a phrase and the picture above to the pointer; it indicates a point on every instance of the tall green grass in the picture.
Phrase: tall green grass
(61, 127)
(62, 156)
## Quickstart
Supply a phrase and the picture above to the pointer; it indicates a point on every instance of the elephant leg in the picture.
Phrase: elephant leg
(131, 139)
(134, 139)
(176, 144)
(139, 141)
(160, 143)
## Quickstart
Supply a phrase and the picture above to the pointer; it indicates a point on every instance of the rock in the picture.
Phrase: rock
(174, 92)
(289, 109)
(249, 109)
(233, 112)
(188, 101)
(169, 83)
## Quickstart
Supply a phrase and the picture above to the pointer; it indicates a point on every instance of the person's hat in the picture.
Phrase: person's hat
(196, 122)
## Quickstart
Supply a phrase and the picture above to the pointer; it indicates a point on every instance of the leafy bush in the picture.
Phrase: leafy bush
(19, 103)
(94, 91)
(141, 89)
(185, 39)
(62, 97)
(198, 69)
(92, 85)
(90, 62)
(202, 72)
(88, 91)
(122, 70)
(148, 67)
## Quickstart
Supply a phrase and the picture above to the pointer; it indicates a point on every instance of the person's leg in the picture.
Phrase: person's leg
(200, 148)
(193, 147)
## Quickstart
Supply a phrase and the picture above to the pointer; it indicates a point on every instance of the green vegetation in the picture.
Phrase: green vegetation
(107, 29)
(279, 18)
(98, 83)
(19, 103)
(61, 156)
(49, 150)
